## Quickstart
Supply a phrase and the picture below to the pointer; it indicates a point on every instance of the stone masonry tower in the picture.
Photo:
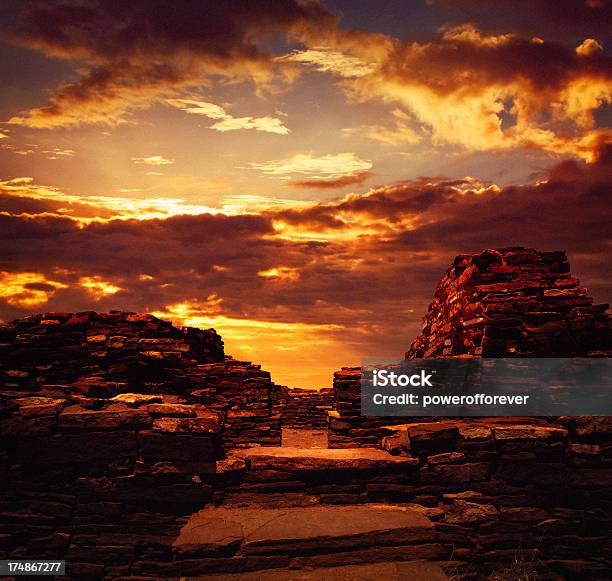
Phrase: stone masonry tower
(512, 302)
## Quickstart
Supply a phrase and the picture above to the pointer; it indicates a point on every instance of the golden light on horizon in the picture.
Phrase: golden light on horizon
(286, 347)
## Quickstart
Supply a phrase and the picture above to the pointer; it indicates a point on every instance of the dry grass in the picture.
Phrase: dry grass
(523, 568)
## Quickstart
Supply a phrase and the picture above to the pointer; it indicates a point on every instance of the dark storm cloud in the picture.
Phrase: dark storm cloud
(141, 50)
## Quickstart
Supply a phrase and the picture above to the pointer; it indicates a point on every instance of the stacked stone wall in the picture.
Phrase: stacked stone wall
(305, 408)
(111, 426)
(101, 481)
(510, 302)
(507, 489)
(78, 358)
(347, 428)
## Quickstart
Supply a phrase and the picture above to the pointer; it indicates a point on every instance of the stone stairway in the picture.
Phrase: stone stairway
(324, 541)
(304, 514)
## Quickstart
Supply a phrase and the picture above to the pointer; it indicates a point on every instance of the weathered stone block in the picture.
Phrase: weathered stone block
(457, 473)
(160, 446)
(78, 448)
(205, 423)
(464, 512)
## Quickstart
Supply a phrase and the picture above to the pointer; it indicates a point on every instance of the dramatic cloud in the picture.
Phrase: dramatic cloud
(341, 280)
(469, 86)
(326, 60)
(144, 50)
(225, 121)
(487, 91)
(332, 170)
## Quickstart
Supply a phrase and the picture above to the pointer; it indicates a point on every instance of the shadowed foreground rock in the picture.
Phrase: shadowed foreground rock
(137, 450)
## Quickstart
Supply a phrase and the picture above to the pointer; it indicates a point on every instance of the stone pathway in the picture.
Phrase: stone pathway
(294, 438)
(275, 523)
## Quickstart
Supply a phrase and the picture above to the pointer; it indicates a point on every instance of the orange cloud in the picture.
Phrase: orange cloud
(225, 121)
(334, 183)
(327, 60)
(98, 287)
(27, 290)
(589, 47)
(133, 55)
(496, 91)
(280, 273)
(485, 91)
(329, 167)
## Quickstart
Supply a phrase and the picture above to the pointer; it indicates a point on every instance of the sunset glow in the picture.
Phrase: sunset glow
(300, 181)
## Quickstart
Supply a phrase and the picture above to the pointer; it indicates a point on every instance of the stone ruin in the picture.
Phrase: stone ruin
(89, 366)
(137, 450)
(305, 409)
(511, 302)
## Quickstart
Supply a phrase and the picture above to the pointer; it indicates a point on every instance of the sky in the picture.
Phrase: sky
(296, 174)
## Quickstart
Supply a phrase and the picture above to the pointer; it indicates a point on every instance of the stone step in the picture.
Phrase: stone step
(400, 571)
(293, 459)
(237, 539)
(335, 476)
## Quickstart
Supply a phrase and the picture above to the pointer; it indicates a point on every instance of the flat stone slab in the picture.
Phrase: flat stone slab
(231, 530)
(299, 459)
(402, 571)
